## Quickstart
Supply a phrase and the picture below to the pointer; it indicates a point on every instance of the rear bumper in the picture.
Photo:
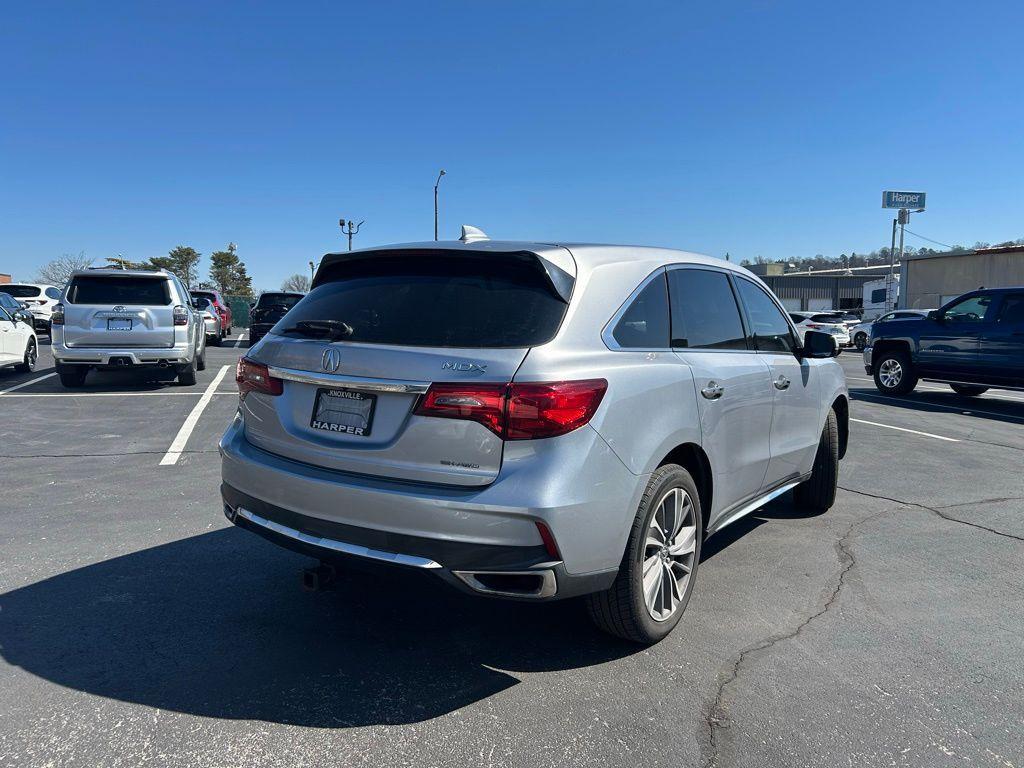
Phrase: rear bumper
(587, 504)
(868, 367)
(130, 356)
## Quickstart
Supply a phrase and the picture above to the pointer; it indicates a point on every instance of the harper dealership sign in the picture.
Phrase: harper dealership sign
(913, 201)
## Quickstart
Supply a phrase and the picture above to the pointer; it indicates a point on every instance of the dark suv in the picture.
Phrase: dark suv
(270, 307)
(972, 343)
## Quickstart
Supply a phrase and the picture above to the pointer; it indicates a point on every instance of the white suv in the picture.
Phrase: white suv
(114, 319)
(38, 298)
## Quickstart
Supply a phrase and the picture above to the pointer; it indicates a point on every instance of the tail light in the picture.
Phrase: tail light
(57, 318)
(180, 315)
(517, 411)
(255, 377)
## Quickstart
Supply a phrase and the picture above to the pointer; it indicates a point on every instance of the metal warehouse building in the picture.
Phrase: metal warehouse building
(930, 280)
(824, 289)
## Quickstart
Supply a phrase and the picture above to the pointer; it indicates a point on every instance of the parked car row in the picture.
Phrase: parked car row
(36, 298)
(826, 322)
(972, 343)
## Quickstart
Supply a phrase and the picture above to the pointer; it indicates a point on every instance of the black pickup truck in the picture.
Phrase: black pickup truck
(972, 343)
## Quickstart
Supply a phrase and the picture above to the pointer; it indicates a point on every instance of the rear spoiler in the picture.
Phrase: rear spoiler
(560, 280)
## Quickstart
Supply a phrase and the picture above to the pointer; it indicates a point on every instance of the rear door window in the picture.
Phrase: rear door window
(644, 324)
(704, 311)
(769, 330)
(433, 300)
(1012, 310)
(130, 291)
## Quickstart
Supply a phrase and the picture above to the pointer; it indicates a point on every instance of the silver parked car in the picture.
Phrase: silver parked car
(532, 421)
(112, 319)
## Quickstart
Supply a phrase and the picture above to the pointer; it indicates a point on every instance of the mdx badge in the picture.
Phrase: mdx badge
(331, 360)
(463, 366)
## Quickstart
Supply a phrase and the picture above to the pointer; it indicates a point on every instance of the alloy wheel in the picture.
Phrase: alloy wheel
(668, 553)
(890, 373)
(31, 356)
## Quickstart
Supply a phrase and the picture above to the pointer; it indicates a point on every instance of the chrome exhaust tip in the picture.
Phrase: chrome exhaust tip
(535, 584)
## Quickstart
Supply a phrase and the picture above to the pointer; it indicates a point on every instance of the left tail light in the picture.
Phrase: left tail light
(517, 411)
(255, 377)
(180, 315)
(57, 317)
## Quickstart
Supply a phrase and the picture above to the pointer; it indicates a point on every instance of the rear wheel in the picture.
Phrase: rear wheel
(28, 362)
(72, 376)
(968, 390)
(658, 569)
(860, 340)
(201, 359)
(894, 373)
(818, 493)
(187, 373)
(216, 341)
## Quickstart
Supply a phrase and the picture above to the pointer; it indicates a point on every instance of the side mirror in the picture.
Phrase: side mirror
(936, 315)
(819, 345)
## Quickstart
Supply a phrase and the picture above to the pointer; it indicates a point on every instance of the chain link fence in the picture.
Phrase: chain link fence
(239, 310)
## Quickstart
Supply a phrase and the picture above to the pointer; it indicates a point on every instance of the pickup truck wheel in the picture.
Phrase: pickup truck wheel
(659, 566)
(28, 362)
(968, 390)
(72, 376)
(860, 341)
(894, 373)
(818, 492)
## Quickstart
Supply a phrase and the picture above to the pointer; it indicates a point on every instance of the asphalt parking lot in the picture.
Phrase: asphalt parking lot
(138, 627)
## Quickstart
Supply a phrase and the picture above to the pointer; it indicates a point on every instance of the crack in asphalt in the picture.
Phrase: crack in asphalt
(938, 511)
(716, 717)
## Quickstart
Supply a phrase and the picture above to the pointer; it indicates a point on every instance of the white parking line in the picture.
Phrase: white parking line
(174, 452)
(25, 384)
(902, 429)
(964, 411)
(945, 388)
(240, 339)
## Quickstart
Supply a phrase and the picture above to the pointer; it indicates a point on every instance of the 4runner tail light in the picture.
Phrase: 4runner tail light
(517, 411)
(255, 377)
(180, 315)
(57, 318)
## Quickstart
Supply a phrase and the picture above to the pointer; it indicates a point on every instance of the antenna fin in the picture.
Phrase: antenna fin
(472, 234)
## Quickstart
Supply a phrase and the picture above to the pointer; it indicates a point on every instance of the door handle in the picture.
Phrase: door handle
(713, 390)
(781, 383)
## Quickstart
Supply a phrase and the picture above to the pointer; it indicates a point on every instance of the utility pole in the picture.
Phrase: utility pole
(353, 229)
(892, 258)
(904, 218)
(436, 184)
(312, 270)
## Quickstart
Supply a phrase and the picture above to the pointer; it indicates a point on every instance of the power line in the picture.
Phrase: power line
(944, 245)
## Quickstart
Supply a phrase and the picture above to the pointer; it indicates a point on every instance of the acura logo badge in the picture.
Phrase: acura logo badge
(331, 360)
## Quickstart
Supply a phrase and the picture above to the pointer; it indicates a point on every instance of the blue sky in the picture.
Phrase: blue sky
(759, 129)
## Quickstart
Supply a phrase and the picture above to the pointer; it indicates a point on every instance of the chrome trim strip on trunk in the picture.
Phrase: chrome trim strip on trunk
(361, 383)
(334, 545)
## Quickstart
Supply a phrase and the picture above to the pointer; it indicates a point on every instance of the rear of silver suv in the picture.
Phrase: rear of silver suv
(460, 409)
(124, 319)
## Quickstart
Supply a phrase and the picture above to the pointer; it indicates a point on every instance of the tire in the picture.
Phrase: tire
(217, 339)
(187, 373)
(201, 359)
(968, 390)
(28, 362)
(623, 610)
(72, 376)
(860, 341)
(818, 492)
(894, 374)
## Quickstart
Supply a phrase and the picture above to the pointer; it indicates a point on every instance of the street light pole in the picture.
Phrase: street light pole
(353, 229)
(892, 258)
(436, 183)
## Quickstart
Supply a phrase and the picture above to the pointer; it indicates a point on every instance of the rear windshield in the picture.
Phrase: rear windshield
(20, 291)
(836, 319)
(437, 301)
(278, 299)
(109, 289)
(205, 294)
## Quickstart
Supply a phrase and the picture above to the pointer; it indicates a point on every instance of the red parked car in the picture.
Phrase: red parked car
(223, 309)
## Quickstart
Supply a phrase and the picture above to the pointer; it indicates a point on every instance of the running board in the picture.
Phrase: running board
(746, 509)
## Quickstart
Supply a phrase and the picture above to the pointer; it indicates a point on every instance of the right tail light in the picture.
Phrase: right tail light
(517, 411)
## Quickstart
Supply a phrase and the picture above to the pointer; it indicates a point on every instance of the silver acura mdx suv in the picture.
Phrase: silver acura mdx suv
(531, 420)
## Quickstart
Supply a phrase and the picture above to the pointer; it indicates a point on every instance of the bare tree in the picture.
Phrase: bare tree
(58, 271)
(297, 282)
